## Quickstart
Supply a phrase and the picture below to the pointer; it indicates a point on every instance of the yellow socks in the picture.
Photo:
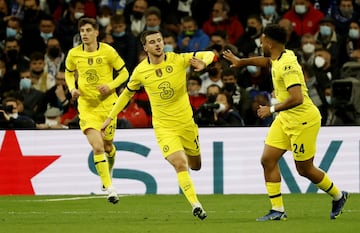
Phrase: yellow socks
(111, 158)
(102, 169)
(274, 192)
(328, 186)
(187, 186)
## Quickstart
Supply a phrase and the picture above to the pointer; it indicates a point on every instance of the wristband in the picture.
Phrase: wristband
(272, 108)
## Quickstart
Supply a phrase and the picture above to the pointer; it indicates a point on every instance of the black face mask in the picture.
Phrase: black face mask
(137, 14)
(251, 31)
(54, 52)
(12, 54)
(212, 72)
(230, 87)
(217, 47)
(211, 98)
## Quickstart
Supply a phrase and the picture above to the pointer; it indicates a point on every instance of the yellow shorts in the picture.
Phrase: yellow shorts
(171, 140)
(95, 121)
(301, 140)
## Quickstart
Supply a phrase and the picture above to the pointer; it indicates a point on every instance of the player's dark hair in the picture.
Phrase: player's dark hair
(275, 32)
(86, 20)
(146, 33)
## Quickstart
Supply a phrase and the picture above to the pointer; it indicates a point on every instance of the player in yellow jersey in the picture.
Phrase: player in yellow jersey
(295, 127)
(163, 76)
(91, 66)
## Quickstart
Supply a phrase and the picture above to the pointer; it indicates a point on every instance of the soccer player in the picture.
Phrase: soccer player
(89, 76)
(163, 76)
(295, 127)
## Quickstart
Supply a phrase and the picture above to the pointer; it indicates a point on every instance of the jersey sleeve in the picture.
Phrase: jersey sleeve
(70, 69)
(120, 70)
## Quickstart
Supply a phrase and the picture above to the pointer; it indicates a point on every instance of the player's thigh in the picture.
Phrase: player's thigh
(277, 137)
(94, 120)
(168, 141)
(190, 141)
(304, 142)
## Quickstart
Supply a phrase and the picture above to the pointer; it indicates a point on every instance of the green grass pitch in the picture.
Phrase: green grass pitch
(307, 213)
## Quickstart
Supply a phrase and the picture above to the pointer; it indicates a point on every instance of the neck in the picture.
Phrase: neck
(156, 59)
(91, 47)
(276, 52)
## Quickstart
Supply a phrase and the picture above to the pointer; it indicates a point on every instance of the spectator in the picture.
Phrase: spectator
(317, 91)
(192, 38)
(193, 89)
(249, 42)
(30, 27)
(351, 42)
(226, 114)
(212, 76)
(343, 13)
(135, 116)
(54, 56)
(33, 100)
(52, 120)
(292, 39)
(9, 79)
(269, 13)
(16, 8)
(41, 79)
(260, 98)
(123, 41)
(14, 59)
(10, 117)
(304, 17)
(170, 42)
(218, 43)
(330, 40)
(117, 6)
(66, 29)
(135, 18)
(40, 37)
(204, 116)
(220, 20)
(59, 95)
(324, 71)
(240, 97)
(104, 17)
(12, 30)
(307, 48)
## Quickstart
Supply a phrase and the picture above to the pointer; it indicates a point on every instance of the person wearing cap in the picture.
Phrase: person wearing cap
(52, 119)
(329, 39)
(295, 127)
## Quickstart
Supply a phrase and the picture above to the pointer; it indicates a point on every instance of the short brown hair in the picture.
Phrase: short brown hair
(146, 33)
(90, 21)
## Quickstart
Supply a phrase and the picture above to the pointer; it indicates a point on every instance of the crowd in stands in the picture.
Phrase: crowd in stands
(35, 36)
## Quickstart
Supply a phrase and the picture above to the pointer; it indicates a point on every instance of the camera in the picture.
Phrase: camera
(204, 116)
(210, 106)
(7, 108)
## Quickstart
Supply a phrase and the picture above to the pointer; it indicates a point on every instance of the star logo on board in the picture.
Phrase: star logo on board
(16, 170)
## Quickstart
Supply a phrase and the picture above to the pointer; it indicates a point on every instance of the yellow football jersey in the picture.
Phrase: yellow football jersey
(94, 69)
(286, 72)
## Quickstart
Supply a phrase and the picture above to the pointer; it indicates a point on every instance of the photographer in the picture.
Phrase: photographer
(226, 114)
(204, 116)
(10, 117)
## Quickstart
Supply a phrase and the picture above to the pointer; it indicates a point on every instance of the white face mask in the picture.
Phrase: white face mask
(104, 21)
(308, 48)
(319, 62)
(300, 9)
(328, 99)
(51, 122)
(78, 15)
(218, 19)
(193, 93)
(14, 115)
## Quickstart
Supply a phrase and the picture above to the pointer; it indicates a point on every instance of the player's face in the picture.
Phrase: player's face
(88, 34)
(154, 45)
(265, 46)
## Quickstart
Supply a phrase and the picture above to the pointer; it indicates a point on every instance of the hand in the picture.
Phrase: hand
(228, 55)
(60, 93)
(6, 116)
(103, 89)
(104, 125)
(263, 112)
(197, 63)
(75, 93)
